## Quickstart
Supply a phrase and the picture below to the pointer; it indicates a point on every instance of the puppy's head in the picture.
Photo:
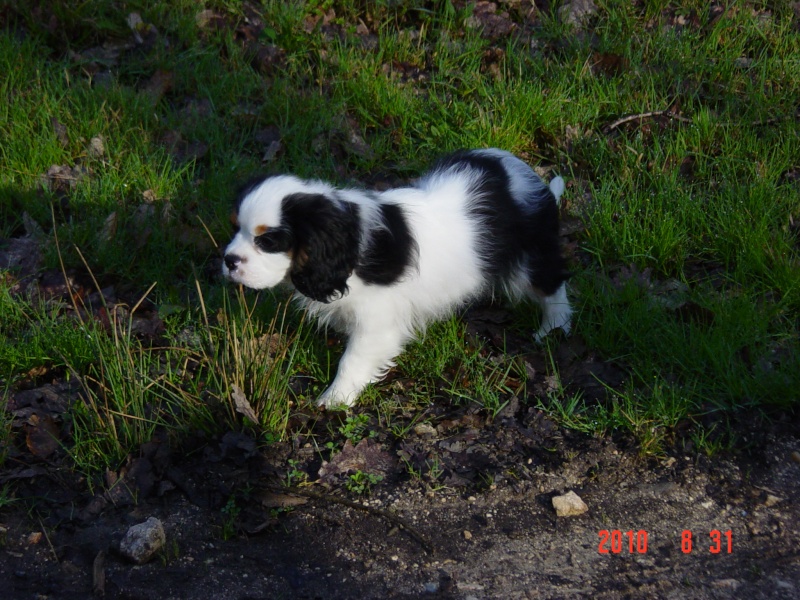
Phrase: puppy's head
(296, 230)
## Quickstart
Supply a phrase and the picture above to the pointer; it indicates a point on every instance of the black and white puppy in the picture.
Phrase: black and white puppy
(380, 266)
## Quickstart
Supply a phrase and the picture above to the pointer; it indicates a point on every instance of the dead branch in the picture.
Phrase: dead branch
(648, 115)
(387, 515)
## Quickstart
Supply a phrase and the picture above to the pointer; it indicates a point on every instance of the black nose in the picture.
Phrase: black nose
(232, 261)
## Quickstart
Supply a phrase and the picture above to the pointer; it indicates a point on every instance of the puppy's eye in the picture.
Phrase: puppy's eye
(275, 240)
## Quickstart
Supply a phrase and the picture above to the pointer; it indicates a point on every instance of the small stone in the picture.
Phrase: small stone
(34, 538)
(772, 500)
(569, 505)
(795, 456)
(425, 430)
(575, 12)
(432, 587)
(728, 584)
(97, 148)
(467, 535)
(143, 541)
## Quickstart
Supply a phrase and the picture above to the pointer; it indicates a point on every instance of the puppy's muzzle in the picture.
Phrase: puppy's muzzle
(232, 261)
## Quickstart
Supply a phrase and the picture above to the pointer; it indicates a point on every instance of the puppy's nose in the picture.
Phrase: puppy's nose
(232, 261)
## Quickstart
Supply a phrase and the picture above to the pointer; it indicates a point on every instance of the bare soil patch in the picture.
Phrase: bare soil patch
(475, 493)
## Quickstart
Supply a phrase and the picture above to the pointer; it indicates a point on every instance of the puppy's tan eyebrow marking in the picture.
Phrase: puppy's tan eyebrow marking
(260, 230)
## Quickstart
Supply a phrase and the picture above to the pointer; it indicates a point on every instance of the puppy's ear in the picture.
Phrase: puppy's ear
(326, 236)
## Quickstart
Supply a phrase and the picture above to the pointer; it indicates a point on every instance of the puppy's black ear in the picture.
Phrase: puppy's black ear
(325, 252)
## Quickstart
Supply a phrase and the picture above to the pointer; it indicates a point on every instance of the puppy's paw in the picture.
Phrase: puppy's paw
(336, 398)
(544, 331)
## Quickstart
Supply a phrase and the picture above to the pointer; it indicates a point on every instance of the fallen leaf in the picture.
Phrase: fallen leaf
(51, 398)
(109, 229)
(367, 456)
(209, 19)
(237, 446)
(181, 149)
(493, 25)
(272, 151)
(42, 435)
(242, 405)
(274, 500)
(266, 58)
(61, 131)
(22, 255)
(63, 177)
(149, 326)
(609, 64)
(159, 84)
(354, 142)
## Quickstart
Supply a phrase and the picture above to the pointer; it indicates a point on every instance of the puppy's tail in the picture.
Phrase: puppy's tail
(557, 186)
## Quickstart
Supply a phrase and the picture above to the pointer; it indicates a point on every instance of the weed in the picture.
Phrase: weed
(170, 553)
(253, 353)
(295, 476)
(356, 427)
(125, 398)
(361, 483)
(5, 429)
(6, 496)
(435, 472)
(414, 473)
(230, 518)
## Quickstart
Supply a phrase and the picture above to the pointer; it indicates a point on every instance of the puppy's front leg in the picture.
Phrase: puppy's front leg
(367, 358)
(556, 312)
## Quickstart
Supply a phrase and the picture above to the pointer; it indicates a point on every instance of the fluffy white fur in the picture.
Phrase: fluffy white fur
(448, 267)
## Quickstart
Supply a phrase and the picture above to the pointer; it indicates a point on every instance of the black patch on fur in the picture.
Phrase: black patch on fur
(279, 239)
(512, 237)
(390, 250)
(325, 236)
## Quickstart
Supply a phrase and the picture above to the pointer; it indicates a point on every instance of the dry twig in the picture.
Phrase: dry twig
(648, 115)
(388, 516)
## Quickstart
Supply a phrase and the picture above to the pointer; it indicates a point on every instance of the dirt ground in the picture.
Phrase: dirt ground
(464, 510)
(459, 505)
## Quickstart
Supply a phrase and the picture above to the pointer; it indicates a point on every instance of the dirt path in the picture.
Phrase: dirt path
(503, 541)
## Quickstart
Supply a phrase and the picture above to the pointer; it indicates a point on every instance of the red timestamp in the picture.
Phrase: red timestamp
(615, 541)
(721, 541)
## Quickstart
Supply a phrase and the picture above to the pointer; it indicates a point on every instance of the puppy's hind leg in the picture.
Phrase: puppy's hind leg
(556, 312)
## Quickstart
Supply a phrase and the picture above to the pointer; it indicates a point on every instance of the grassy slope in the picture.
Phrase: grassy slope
(688, 268)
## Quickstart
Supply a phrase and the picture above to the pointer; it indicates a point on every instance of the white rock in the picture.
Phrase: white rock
(425, 430)
(569, 505)
(576, 11)
(729, 584)
(143, 541)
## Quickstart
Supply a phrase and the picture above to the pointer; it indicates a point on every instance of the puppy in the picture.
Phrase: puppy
(380, 266)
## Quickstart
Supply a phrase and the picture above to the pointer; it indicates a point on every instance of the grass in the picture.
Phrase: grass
(686, 272)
